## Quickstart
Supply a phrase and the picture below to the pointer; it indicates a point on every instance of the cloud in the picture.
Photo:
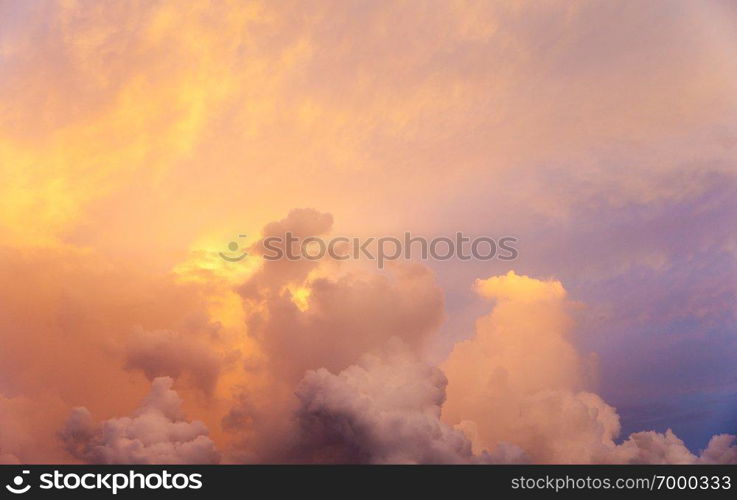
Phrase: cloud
(519, 380)
(67, 326)
(305, 321)
(518, 392)
(384, 409)
(138, 138)
(722, 449)
(666, 448)
(315, 315)
(275, 274)
(156, 434)
(191, 354)
(346, 317)
(654, 448)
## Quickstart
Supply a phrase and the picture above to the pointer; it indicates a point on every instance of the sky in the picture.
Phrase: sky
(139, 138)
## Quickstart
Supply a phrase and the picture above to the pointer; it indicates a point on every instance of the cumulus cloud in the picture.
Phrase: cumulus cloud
(314, 315)
(654, 448)
(384, 409)
(722, 449)
(520, 380)
(518, 391)
(666, 448)
(156, 433)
